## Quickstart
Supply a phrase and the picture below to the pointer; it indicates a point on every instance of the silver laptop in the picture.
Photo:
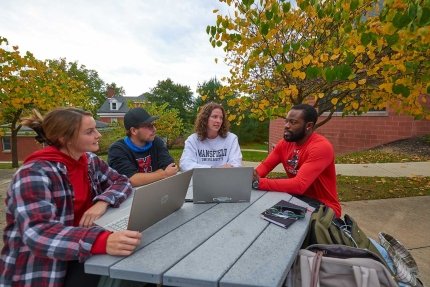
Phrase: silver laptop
(222, 184)
(149, 204)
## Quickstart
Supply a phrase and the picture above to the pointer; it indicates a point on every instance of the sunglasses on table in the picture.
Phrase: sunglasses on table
(283, 212)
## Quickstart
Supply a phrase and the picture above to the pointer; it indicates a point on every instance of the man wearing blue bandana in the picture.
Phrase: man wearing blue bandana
(141, 155)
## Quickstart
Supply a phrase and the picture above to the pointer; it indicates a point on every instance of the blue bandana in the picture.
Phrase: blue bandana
(136, 148)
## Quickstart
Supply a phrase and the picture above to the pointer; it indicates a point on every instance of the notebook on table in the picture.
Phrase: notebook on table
(222, 184)
(284, 213)
(149, 204)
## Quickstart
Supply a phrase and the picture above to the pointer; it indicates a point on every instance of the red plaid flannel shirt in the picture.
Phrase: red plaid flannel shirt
(39, 237)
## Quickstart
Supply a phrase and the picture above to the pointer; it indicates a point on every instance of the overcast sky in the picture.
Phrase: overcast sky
(134, 43)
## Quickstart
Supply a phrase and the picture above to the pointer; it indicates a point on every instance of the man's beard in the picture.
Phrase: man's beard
(295, 137)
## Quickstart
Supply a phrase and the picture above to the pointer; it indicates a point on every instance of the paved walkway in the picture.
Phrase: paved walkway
(407, 169)
(407, 219)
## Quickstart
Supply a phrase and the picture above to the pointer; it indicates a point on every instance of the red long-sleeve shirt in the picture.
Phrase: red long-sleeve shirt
(310, 169)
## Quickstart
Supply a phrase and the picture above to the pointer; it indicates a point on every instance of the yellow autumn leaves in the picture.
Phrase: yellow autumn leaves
(339, 53)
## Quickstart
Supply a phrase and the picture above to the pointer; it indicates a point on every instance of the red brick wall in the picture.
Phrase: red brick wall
(109, 119)
(26, 145)
(105, 119)
(355, 133)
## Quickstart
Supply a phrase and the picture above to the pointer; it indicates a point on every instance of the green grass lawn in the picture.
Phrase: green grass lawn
(378, 156)
(259, 146)
(352, 188)
(5, 165)
(366, 188)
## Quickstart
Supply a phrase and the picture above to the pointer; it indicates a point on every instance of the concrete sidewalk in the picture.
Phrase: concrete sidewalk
(406, 219)
(405, 169)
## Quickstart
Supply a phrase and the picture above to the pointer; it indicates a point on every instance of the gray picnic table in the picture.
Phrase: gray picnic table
(223, 244)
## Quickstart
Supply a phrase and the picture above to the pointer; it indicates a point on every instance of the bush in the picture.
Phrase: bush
(109, 136)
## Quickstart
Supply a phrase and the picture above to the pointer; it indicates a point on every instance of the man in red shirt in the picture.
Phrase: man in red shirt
(308, 159)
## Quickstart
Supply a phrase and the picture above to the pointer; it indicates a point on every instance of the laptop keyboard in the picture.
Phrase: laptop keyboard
(118, 225)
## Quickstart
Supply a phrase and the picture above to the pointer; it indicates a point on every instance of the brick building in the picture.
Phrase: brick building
(354, 133)
(115, 107)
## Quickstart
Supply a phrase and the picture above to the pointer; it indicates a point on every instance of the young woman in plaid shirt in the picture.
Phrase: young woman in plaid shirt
(53, 201)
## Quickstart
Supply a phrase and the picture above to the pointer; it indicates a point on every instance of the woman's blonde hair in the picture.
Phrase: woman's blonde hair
(57, 127)
(201, 124)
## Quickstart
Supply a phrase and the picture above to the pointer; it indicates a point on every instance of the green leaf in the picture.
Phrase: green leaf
(307, 43)
(366, 38)
(286, 48)
(269, 15)
(354, 5)
(383, 14)
(286, 7)
(264, 28)
(219, 43)
(401, 20)
(348, 28)
(208, 29)
(343, 72)
(295, 46)
(350, 58)
(248, 3)
(411, 66)
(312, 72)
(428, 90)
(392, 39)
(255, 53)
(213, 30)
(330, 75)
(412, 11)
(320, 13)
(225, 24)
(425, 17)
(303, 5)
(401, 89)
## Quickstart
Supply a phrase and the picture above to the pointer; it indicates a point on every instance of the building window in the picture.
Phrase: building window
(325, 104)
(114, 106)
(113, 120)
(6, 144)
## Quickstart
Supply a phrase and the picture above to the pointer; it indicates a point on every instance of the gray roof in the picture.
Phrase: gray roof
(105, 108)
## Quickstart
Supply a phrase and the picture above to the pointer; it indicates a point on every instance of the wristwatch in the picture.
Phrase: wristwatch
(255, 184)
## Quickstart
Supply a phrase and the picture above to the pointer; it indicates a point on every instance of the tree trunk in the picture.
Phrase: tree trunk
(14, 138)
(14, 147)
